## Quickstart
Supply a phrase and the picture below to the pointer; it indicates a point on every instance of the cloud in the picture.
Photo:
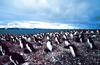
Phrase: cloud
(30, 4)
(37, 24)
(47, 25)
(63, 11)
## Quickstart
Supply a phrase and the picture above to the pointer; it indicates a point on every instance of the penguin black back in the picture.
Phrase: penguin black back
(16, 58)
(31, 47)
(92, 42)
(75, 49)
(5, 49)
(24, 42)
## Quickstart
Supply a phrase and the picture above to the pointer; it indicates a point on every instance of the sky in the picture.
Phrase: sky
(49, 13)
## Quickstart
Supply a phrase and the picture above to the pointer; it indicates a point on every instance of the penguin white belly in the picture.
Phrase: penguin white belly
(28, 47)
(48, 38)
(56, 40)
(81, 40)
(64, 36)
(21, 45)
(72, 51)
(49, 46)
(12, 60)
(90, 44)
(3, 52)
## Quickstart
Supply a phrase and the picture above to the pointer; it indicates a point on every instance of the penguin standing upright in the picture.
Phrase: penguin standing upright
(82, 37)
(91, 43)
(56, 40)
(30, 47)
(71, 47)
(49, 47)
(27, 46)
(72, 50)
(4, 49)
(16, 58)
(22, 43)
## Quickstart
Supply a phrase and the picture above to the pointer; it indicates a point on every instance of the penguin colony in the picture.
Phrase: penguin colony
(47, 41)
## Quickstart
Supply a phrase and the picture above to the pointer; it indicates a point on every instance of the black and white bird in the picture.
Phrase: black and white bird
(30, 47)
(72, 48)
(91, 43)
(49, 46)
(3, 49)
(26, 45)
(16, 58)
(22, 43)
(56, 40)
(82, 37)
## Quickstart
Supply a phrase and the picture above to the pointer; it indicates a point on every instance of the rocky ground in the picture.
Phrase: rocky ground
(59, 55)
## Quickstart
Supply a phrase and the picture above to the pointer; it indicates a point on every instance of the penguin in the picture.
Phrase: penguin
(91, 43)
(49, 46)
(16, 58)
(71, 47)
(56, 40)
(27, 46)
(4, 49)
(30, 47)
(64, 36)
(72, 50)
(35, 38)
(82, 37)
(22, 43)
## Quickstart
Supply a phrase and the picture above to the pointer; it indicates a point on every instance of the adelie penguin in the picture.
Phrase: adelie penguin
(22, 43)
(15, 58)
(72, 48)
(56, 40)
(27, 46)
(82, 37)
(3, 49)
(91, 43)
(49, 47)
(30, 47)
